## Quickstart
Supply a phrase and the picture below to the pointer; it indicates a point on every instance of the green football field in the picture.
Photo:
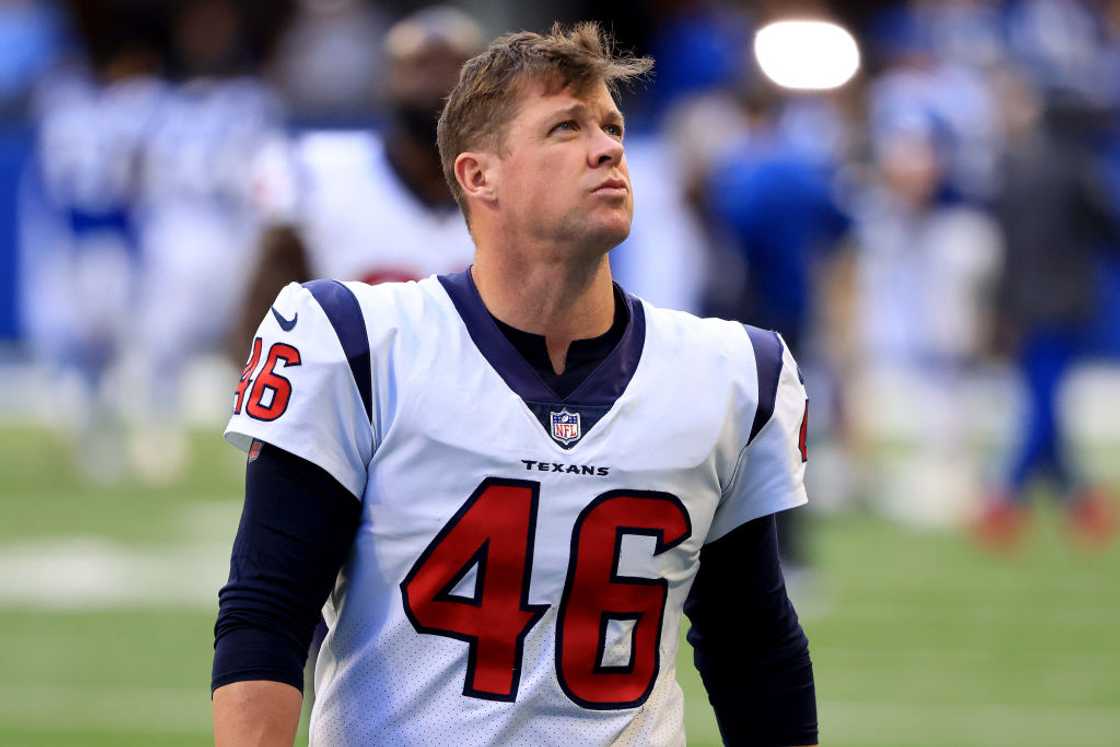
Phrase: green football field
(107, 598)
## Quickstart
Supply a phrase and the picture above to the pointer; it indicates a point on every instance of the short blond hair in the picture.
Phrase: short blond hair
(485, 99)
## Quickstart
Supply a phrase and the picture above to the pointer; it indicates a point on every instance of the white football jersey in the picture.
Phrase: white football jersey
(522, 560)
(358, 220)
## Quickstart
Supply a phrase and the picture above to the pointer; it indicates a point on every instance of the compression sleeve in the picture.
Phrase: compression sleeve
(295, 533)
(749, 648)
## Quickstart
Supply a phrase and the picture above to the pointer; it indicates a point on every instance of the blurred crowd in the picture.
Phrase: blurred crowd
(931, 238)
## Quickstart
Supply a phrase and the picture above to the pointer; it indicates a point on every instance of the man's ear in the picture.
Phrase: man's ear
(477, 175)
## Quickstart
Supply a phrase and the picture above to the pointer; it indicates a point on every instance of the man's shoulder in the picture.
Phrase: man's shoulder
(744, 350)
(392, 304)
(354, 306)
(706, 336)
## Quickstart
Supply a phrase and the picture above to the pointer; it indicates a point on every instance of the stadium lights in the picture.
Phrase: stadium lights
(806, 55)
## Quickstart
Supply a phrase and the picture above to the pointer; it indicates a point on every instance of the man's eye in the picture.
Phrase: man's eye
(569, 125)
(614, 130)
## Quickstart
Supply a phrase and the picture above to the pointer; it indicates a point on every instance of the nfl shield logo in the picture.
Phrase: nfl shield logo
(565, 426)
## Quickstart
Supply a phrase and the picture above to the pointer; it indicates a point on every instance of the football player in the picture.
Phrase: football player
(504, 487)
(81, 254)
(358, 205)
(196, 227)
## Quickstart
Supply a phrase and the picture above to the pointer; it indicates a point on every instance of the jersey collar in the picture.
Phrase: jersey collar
(591, 400)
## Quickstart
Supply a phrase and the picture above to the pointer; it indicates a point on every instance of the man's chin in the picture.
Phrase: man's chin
(609, 228)
(597, 232)
(607, 236)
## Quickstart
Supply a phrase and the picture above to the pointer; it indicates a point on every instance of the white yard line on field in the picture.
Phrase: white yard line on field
(71, 573)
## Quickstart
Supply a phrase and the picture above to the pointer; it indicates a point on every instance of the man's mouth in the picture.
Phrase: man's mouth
(612, 186)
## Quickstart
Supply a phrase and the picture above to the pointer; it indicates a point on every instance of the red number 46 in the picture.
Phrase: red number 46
(493, 534)
(267, 381)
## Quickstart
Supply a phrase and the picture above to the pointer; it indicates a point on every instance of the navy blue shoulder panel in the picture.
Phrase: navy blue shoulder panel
(768, 361)
(345, 316)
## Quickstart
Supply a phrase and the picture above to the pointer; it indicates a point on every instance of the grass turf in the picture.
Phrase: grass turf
(918, 639)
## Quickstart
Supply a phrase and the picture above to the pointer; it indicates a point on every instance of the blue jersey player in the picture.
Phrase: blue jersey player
(505, 488)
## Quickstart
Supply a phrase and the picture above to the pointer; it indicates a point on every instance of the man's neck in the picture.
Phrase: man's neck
(561, 301)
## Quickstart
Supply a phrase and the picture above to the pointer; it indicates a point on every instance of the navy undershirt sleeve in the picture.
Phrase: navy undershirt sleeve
(295, 533)
(748, 645)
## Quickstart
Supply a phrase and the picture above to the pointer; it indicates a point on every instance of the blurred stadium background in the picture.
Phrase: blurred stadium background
(934, 227)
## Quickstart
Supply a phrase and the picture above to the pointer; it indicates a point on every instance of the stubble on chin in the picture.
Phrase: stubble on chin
(596, 231)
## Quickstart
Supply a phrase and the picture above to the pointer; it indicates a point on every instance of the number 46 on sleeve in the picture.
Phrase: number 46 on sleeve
(267, 381)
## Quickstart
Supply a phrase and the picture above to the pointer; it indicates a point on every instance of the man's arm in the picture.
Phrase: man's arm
(295, 532)
(256, 713)
(748, 644)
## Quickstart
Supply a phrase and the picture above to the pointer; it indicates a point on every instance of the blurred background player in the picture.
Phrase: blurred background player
(197, 228)
(777, 209)
(1055, 214)
(366, 205)
(81, 238)
(926, 260)
(136, 222)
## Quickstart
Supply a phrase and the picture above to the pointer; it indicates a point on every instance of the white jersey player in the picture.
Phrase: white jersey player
(505, 487)
(513, 547)
(197, 224)
(355, 216)
(80, 256)
(365, 205)
(77, 218)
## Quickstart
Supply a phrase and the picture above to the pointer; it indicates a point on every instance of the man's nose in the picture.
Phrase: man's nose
(606, 150)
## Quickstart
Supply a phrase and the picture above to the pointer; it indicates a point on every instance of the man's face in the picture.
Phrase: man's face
(419, 80)
(424, 74)
(563, 176)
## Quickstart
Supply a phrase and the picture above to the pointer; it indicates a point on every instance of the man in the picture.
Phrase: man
(1058, 222)
(80, 254)
(359, 205)
(508, 484)
(196, 226)
(776, 205)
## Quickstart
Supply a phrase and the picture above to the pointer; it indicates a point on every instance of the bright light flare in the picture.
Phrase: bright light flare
(806, 55)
